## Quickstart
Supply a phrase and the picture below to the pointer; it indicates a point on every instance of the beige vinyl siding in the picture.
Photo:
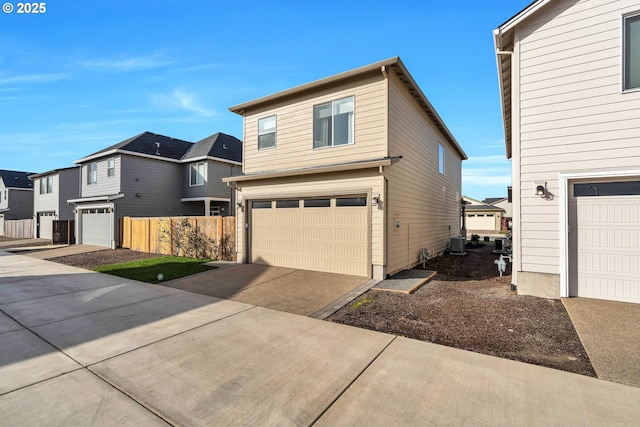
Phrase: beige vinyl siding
(294, 131)
(338, 184)
(573, 116)
(425, 202)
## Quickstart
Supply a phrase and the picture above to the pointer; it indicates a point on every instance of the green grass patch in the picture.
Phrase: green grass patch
(147, 270)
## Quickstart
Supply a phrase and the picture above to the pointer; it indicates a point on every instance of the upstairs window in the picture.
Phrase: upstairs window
(267, 132)
(46, 185)
(92, 173)
(197, 173)
(632, 51)
(333, 123)
(111, 167)
(441, 159)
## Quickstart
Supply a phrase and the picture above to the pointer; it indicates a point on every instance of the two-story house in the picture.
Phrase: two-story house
(16, 196)
(52, 189)
(153, 175)
(353, 174)
(569, 73)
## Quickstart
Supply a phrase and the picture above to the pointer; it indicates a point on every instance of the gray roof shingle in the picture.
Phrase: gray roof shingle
(16, 179)
(219, 145)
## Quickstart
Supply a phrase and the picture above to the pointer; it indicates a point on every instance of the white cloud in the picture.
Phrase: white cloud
(33, 78)
(134, 63)
(181, 99)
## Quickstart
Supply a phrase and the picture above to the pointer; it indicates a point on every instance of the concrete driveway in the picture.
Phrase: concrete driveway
(304, 292)
(610, 334)
(84, 348)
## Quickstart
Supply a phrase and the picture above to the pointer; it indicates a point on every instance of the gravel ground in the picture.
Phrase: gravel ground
(468, 306)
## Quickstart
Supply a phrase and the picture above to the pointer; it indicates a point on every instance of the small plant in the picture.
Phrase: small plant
(361, 302)
(475, 239)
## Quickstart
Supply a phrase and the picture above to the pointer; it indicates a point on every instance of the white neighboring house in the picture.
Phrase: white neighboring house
(481, 218)
(569, 73)
(51, 190)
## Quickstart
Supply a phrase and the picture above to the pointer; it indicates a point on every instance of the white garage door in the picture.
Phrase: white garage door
(608, 247)
(45, 224)
(325, 234)
(96, 227)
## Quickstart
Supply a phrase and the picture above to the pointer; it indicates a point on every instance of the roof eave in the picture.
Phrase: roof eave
(239, 109)
(339, 167)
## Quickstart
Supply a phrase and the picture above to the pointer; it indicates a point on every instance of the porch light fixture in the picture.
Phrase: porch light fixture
(541, 190)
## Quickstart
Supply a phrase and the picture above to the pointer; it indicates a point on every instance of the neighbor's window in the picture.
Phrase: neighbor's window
(267, 132)
(441, 159)
(43, 186)
(92, 173)
(632, 51)
(333, 123)
(111, 167)
(197, 173)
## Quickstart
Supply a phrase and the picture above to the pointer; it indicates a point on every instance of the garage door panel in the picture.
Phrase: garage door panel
(334, 239)
(608, 248)
(96, 229)
(45, 225)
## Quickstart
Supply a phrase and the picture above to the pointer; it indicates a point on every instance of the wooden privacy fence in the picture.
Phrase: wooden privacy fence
(211, 236)
(19, 228)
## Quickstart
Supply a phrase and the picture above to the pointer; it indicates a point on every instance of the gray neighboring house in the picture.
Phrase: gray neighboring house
(16, 196)
(153, 175)
(51, 190)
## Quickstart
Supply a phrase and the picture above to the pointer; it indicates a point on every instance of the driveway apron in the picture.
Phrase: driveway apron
(148, 355)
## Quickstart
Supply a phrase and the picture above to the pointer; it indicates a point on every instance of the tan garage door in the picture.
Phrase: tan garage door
(608, 248)
(323, 234)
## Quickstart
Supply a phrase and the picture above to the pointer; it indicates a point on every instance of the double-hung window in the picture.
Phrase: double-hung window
(631, 44)
(267, 132)
(333, 123)
(92, 173)
(197, 171)
(111, 166)
(46, 185)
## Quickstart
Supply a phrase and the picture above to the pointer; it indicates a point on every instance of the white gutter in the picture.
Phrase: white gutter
(96, 199)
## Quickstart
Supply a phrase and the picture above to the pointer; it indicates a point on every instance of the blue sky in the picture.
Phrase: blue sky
(84, 75)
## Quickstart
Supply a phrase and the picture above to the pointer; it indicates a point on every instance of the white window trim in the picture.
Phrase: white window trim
(112, 168)
(91, 181)
(353, 124)
(623, 49)
(275, 133)
(204, 173)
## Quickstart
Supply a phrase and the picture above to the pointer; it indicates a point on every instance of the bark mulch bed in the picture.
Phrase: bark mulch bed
(468, 306)
(95, 259)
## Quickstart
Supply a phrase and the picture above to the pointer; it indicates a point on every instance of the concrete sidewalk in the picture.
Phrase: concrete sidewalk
(79, 347)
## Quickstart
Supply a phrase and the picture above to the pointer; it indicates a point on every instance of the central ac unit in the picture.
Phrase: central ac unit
(457, 245)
